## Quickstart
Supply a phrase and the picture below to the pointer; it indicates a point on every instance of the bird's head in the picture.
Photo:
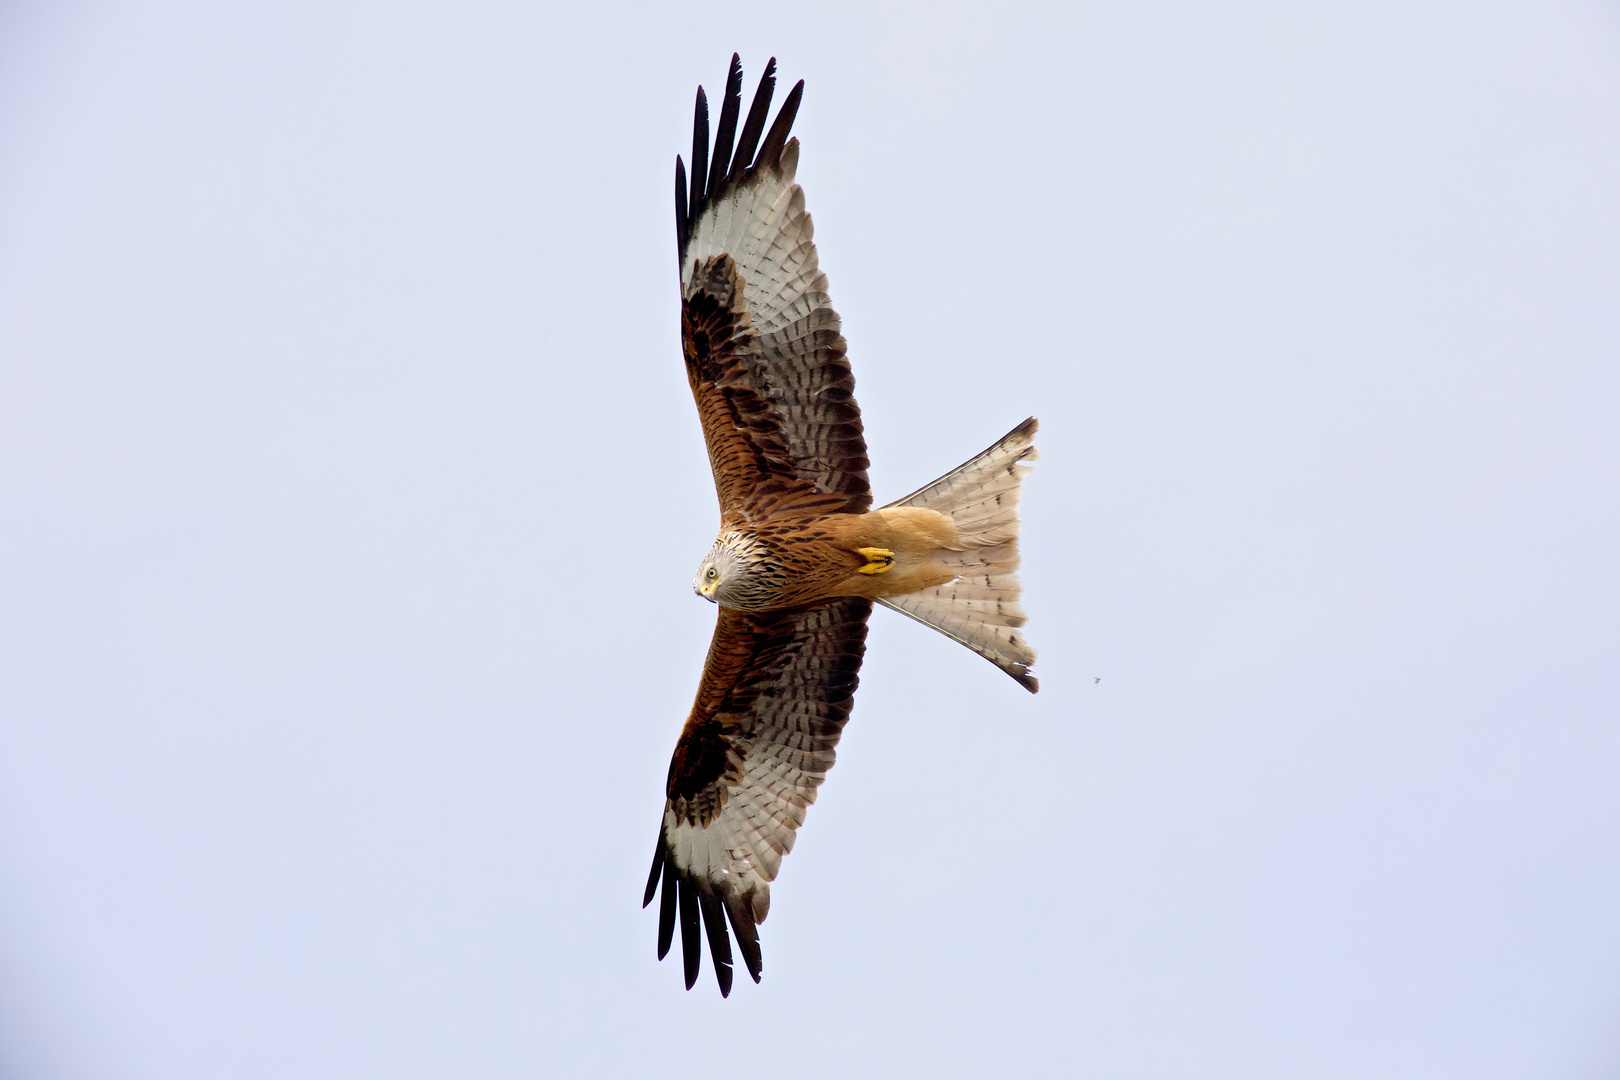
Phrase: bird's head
(707, 582)
(724, 576)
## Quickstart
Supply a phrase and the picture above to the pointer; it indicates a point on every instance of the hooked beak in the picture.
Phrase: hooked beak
(705, 591)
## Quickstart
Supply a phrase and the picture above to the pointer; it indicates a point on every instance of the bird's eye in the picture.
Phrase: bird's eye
(712, 574)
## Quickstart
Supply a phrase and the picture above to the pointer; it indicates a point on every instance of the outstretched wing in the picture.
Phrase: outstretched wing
(776, 691)
(764, 352)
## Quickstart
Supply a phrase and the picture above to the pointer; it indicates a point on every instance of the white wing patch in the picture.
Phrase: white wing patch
(763, 225)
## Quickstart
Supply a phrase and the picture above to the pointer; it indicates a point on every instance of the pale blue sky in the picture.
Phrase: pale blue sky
(352, 491)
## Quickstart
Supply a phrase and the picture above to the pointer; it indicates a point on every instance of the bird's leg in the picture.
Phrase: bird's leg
(877, 559)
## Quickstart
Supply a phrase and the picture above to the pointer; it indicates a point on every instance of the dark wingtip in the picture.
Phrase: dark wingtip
(714, 924)
(720, 159)
(1027, 681)
(715, 167)
(666, 910)
(691, 947)
(700, 155)
(657, 870)
(754, 126)
(770, 154)
(742, 924)
(681, 219)
(699, 908)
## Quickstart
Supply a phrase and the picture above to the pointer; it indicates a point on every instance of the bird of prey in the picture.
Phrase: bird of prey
(801, 557)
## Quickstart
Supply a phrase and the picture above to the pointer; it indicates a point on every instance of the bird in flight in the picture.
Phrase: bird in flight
(801, 557)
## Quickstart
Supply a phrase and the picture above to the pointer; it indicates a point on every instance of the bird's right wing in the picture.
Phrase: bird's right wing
(765, 355)
(775, 694)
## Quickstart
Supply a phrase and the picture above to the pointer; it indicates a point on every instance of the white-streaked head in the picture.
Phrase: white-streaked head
(707, 582)
(726, 574)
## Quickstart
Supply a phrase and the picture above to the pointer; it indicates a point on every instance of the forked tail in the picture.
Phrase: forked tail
(980, 606)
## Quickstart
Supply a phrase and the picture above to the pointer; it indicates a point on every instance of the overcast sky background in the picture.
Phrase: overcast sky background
(350, 493)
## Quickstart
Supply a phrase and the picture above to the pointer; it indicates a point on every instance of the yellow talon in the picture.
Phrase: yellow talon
(877, 559)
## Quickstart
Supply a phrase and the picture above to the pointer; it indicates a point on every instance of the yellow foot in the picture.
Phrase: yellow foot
(877, 559)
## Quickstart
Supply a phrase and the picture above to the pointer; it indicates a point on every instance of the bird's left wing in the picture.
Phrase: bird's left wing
(775, 694)
(764, 353)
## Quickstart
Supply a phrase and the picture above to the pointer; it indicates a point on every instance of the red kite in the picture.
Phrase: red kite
(801, 557)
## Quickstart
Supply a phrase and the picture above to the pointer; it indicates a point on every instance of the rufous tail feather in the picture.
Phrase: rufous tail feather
(980, 606)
